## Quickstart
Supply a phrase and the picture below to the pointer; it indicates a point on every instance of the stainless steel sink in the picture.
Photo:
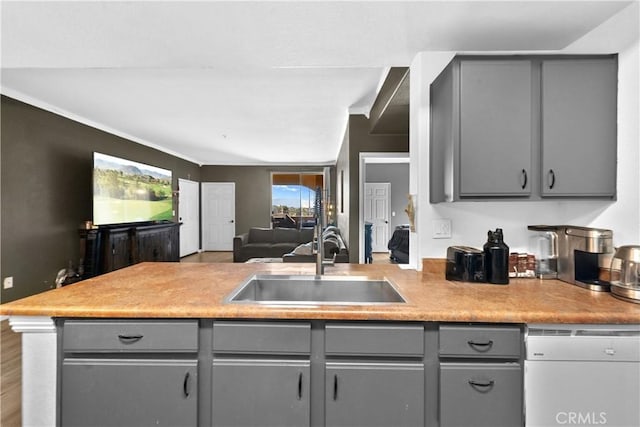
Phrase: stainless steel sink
(314, 290)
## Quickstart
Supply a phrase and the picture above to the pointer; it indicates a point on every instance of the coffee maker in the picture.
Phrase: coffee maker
(580, 252)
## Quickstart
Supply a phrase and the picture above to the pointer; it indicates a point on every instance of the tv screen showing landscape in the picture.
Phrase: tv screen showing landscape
(126, 191)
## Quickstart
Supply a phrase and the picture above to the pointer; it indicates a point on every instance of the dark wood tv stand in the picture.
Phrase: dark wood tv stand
(112, 247)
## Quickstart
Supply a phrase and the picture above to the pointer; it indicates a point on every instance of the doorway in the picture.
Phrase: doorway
(377, 212)
(378, 168)
(189, 216)
(218, 215)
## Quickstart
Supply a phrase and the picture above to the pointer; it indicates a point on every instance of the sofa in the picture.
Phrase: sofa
(261, 242)
(399, 245)
(334, 248)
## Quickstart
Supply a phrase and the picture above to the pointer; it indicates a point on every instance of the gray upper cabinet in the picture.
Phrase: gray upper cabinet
(524, 128)
(495, 128)
(579, 127)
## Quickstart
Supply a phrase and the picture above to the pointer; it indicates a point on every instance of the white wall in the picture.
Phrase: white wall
(471, 220)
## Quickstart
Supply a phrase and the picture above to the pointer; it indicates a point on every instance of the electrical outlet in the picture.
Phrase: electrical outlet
(441, 228)
(7, 283)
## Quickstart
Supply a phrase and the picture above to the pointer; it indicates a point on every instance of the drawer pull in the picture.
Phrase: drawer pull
(482, 386)
(185, 385)
(129, 339)
(552, 178)
(335, 387)
(300, 386)
(481, 346)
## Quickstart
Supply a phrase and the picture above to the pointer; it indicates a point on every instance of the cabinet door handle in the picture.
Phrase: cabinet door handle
(481, 386)
(129, 339)
(481, 346)
(551, 177)
(300, 386)
(335, 387)
(185, 385)
(525, 179)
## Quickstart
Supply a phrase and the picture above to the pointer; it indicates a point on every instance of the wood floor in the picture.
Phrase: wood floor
(10, 376)
(11, 349)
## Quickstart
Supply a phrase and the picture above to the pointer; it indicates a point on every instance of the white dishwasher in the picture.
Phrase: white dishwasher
(586, 375)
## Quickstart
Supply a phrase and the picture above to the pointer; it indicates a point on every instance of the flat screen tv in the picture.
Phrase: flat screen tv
(125, 191)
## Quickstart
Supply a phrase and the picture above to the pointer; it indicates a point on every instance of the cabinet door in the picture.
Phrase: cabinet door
(261, 393)
(374, 394)
(579, 127)
(495, 128)
(480, 395)
(128, 392)
(158, 244)
(118, 250)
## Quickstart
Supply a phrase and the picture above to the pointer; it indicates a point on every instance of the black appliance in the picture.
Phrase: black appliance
(465, 264)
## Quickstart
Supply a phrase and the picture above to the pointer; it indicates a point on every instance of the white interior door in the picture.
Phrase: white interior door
(189, 216)
(377, 212)
(218, 215)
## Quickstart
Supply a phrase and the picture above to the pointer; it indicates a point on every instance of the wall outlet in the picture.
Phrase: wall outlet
(7, 283)
(441, 228)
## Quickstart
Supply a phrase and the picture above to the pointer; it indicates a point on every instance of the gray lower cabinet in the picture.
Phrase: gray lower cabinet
(480, 395)
(129, 392)
(362, 386)
(481, 375)
(129, 372)
(374, 394)
(261, 374)
(261, 393)
(246, 373)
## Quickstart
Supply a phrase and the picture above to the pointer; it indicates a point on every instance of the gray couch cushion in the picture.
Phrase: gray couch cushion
(255, 250)
(305, 236)
(260, 235)
(285, 235)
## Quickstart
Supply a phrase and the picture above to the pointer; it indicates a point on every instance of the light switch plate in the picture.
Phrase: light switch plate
(441, 228)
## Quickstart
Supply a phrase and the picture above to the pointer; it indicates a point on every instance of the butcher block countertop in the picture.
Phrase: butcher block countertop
(197, 290)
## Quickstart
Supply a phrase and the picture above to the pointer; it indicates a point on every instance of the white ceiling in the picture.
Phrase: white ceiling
(258, 82)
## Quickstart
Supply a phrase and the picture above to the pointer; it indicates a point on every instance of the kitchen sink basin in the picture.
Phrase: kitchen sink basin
(314, 290)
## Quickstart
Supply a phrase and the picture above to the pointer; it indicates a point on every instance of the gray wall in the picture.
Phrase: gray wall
(46, 163)
(253, 190)
(397, 174)
(358, 140)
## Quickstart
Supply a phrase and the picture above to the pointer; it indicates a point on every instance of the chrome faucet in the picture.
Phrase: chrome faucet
(318, 231)
(319, 249)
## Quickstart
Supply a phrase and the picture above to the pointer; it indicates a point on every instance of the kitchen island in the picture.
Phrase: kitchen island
(190, 290)
(190, 297)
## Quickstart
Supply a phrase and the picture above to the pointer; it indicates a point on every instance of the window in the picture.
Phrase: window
(292, 198)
